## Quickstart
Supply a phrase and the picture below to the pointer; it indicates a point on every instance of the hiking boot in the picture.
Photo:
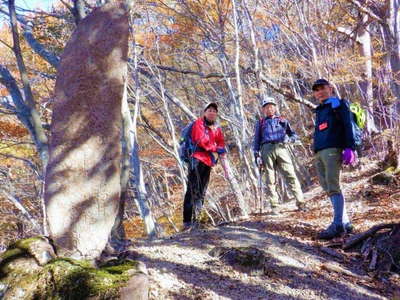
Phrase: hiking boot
(187, 226)
(196, 225)
(331, 232)
(301, 206)
(348, 227)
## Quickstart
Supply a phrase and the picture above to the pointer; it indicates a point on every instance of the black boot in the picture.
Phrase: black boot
(331, 232)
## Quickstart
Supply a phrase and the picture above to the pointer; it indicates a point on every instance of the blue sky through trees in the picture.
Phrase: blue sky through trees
(35, 4)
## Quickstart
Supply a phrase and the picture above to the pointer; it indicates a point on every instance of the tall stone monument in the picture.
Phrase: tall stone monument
(82, 183)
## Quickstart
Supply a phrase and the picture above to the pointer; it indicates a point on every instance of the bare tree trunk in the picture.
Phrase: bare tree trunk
(132, 147)
(117, 239)
(364, 37)
(172, 133)
(391, 30)
(27, 113)
(244, 208)
(79, 10)
(39, 136)
(239, 100)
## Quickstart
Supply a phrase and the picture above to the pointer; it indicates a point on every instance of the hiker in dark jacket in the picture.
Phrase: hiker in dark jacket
(271, 135)
(208, 137)
(334, 144)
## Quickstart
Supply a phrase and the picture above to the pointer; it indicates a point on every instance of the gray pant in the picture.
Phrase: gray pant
(329, 165)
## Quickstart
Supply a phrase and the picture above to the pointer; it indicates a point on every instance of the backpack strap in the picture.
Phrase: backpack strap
(261, 122)
(335, 108)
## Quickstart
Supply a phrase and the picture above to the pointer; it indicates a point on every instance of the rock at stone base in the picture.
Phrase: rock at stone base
(39, 247)
(41, 250)
(137, 288)
(248, 260)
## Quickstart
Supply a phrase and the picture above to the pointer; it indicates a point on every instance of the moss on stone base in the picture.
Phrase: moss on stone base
(79, 280)
(61, 278)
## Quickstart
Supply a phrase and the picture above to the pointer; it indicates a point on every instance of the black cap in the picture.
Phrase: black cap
(319, 82)
(213, 104)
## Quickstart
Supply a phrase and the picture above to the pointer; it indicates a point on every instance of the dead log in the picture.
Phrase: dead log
(372, 264)
(355, 239)
(380, 250)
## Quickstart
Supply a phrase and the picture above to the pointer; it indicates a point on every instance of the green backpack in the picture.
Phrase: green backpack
(360, 115)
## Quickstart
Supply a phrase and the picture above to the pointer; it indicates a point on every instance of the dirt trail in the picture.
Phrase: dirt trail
(297, 265)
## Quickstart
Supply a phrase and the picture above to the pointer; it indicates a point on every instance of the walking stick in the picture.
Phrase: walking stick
(260, 186)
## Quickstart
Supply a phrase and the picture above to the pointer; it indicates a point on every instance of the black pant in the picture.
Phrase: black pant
(199, 175)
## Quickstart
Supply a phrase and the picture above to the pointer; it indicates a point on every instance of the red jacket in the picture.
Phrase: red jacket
(208, 140)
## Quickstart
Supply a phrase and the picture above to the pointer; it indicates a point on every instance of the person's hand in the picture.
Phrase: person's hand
(225, 167)
(286, 139)
(215, 155)
(256, 157)
(221, 151)
(348, 156)
(295, 141)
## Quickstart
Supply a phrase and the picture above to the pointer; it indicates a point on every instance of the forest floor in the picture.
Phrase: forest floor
(298, 266)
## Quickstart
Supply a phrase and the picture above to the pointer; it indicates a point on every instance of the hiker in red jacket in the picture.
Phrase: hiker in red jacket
(210, 146)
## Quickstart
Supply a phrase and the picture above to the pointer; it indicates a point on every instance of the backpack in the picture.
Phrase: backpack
(358, 119)
(186, 144)
(359, 114)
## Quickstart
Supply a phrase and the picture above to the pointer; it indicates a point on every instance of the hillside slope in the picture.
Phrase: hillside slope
(297, 266)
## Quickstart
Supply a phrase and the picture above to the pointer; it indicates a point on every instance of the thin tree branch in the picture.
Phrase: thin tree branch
(37, 47)
(285, 93)
(27, 162)
(17, 203)
(199, 74)
(367, 11)
(47, 55)
(7, 45)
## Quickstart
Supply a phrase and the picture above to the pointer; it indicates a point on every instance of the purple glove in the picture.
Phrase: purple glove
(348, 156)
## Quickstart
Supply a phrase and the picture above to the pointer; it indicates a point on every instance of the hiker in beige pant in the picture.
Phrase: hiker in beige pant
(276, 156)
(272, 133)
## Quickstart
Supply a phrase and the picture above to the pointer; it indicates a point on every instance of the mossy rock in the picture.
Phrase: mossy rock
(21, 277)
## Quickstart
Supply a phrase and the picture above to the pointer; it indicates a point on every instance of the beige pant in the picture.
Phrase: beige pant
(276, 156)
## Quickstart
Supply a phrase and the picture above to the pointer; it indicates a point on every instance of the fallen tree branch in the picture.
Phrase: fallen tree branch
(354, 240)
(333, 267)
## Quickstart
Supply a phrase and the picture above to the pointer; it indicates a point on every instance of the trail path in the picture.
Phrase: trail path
(297, 265)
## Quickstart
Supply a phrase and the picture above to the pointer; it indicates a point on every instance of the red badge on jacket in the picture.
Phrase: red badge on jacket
(323, 126)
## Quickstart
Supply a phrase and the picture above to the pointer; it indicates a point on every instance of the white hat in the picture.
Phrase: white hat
(213, 104)
(268, 100)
